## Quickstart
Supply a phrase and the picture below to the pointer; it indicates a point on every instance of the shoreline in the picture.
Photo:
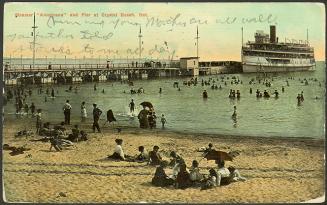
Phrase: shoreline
(132, 130)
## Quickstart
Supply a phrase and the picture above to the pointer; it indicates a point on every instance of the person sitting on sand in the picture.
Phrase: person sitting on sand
(154, 156)
(205, 150)
(209, 148)
(75, 134)
(61, 127)
(160, 178)
(118, 153)
(211, 181)
(183, 180)
(195, 175)
(45, 130)
(176, 162)
(235, 175)
(83, 135)
(223, 174)
(60, 133)
(143, 156)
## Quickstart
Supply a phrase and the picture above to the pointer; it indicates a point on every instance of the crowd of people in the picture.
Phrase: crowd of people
(148, 119)
(181, 176)
(147, 116)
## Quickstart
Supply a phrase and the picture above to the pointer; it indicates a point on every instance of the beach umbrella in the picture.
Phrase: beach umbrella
(218, 155)
(147, 104)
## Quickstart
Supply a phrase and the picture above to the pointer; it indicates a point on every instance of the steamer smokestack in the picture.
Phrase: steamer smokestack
(272, 34)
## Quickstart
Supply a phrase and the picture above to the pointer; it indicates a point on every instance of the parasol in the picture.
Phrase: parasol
(147, 104)
(218, 155)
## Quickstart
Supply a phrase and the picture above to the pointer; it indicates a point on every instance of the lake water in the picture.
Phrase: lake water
(187, 111)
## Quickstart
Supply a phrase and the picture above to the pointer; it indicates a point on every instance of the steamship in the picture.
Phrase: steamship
(266, 54)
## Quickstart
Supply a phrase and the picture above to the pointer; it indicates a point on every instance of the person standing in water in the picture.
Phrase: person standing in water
(299, 99)
(205, 94)
(234, 115)
(131, 106)
(32, 108)
(38, 121)
(160, 90)
(83, 112)
(143, 118)
(96, 116)
(163, 121)
(52, 93)
(276, 94)
(67, 107)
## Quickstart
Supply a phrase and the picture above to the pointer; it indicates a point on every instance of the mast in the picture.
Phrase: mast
(34, 27)
(242, 36)
(140, 45)
(307, 36)
(197, 42)
(21, 56)
(242, 46)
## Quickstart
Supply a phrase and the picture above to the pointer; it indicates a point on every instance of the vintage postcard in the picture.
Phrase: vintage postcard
(163, 102)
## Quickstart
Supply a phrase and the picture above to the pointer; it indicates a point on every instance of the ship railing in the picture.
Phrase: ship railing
(277, 50)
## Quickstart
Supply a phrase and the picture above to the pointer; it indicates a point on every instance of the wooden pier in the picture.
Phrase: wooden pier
(76, 73)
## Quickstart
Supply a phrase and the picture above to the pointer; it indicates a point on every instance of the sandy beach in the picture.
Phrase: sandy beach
(278, 169)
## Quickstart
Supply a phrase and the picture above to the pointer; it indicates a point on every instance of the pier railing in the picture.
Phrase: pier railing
(28, 67)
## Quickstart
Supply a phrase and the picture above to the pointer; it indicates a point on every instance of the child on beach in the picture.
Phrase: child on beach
(163, 121)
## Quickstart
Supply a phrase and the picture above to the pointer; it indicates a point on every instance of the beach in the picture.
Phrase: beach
(278, 170)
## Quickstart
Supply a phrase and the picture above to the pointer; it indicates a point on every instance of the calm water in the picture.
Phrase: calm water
(186, 110)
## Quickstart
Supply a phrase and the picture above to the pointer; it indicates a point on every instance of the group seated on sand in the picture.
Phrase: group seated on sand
(58, 137)
(181, 177)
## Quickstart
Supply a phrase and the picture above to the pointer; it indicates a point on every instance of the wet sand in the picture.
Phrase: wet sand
(278, 169)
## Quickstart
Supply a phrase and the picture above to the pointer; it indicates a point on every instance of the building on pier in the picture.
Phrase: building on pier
(189, 66)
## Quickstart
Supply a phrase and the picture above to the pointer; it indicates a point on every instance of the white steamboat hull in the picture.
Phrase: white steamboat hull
(252, 64)
(270, 69)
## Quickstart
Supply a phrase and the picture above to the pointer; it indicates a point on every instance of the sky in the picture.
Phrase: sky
(169, 30)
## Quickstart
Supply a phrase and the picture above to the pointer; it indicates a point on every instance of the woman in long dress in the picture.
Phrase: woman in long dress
(83, 112)
(143, 118)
